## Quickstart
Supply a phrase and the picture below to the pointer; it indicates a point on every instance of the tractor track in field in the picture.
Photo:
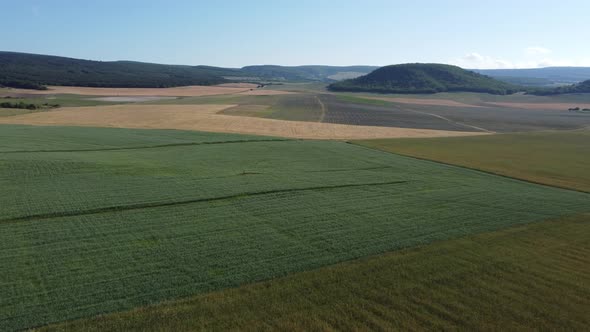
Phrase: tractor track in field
(146, 147)
(139, 206)
(461, 124)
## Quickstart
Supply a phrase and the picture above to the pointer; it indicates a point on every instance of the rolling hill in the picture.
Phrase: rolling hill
(423, 78)
(33, 71)
(582, 87)
(548, 76)
(306, 73)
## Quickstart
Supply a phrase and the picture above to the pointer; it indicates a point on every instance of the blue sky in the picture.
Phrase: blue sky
(472, 34)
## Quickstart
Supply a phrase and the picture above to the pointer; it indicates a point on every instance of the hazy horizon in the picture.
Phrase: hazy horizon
(502, 35)
(302, 65)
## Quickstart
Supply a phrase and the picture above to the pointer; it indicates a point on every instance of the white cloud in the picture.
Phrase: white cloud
(475, 60)
(558, 63)
(537, 50)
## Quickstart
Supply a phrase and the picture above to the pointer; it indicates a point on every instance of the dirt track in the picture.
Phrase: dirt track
(206, 118)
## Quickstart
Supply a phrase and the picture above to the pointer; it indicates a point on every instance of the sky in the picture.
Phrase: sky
(471, 34)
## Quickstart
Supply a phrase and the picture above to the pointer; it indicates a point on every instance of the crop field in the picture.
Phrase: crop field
(556, 158)
(14, 111)
(207, 117)
(359, 112)
(460, 112)
(300, 107)
(481, 99)
(97, 220)
(449, 112)
(533, 277)
(327, 108)
(61, 100)
(419, 101)
(489, 118)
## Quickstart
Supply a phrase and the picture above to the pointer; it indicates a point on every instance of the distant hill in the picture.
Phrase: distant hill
(582, 87)
(423, 78)
(33, 71)
(549, 76)
(306, 73)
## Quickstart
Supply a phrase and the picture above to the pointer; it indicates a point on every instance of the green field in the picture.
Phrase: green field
(61, 100)
(532, 277)
(101, 220)
(558, 158)
(478, 114)
(303, 107)
(15, 111)
(299, 107)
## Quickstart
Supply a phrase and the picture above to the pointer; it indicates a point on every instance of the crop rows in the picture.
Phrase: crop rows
(527, 277)
(367, 112)
(140, 226)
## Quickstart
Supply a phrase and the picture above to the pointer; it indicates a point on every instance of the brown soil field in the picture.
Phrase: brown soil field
(206, 118)
(542, 106)
(430, 102)
(185, 91)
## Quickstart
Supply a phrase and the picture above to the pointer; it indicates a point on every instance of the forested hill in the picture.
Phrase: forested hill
(424, 78)
(582, 87)
(548, 76)
(34, 71)
(306, 73)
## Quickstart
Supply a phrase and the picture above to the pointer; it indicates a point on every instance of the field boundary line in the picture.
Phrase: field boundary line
(149, 146)
(139, 206)
(472, 169)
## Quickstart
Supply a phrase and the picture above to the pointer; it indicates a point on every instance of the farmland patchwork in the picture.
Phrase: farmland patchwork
(96, 220)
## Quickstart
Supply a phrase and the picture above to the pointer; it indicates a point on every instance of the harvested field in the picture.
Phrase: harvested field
(206, 118)
(185, 91)
(542, 106)
(97, 220)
